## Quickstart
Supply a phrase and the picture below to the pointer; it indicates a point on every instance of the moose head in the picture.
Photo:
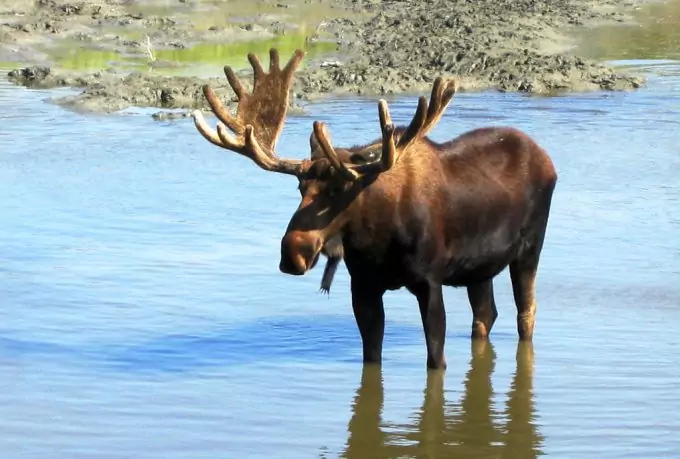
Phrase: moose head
(331, 181)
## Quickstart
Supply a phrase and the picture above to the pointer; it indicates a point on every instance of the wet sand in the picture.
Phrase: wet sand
(357, 47)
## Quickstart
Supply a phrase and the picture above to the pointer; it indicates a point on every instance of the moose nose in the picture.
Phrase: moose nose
(297, 253)
(295, 266)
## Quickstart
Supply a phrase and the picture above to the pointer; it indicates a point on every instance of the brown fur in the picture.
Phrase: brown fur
(420, 214)
(454, 213)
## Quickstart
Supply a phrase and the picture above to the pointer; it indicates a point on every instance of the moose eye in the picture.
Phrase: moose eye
(334, 188)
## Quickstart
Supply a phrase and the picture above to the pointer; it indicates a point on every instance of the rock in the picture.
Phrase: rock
(29, 76)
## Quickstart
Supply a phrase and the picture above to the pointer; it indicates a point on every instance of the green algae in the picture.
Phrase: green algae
(205, 59)
(654, 34)
(235, 54)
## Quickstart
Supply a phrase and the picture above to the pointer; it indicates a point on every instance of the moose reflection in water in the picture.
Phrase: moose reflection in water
(471, 428)
(420, 215)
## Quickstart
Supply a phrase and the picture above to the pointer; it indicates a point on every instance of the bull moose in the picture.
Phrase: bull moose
(409, 211)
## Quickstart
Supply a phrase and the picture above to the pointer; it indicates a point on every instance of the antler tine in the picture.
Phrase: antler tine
(205, 130)
(384, 114)
(423, 113)
(435, 97)
(218, 108)
(260, 114)
(249, 147)
(389, 149)
(258, 71)
(274, 60)
(416, 124)
(427, 115)
(234, 82)
(450, 90)
(293, 63)
(439, 100)
(322, 136)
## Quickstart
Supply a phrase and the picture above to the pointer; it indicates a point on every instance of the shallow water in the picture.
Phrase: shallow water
(143, 313)
(204, 60)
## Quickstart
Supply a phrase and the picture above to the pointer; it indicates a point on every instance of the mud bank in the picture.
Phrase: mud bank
(360, 47)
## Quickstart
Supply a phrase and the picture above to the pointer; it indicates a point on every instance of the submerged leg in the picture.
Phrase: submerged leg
(432, 312)
(369, 314)
(523, 270)
(483, 306)
(523, 276)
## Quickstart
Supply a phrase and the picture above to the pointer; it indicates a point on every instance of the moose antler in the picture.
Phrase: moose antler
(425, 118)
(260, 115)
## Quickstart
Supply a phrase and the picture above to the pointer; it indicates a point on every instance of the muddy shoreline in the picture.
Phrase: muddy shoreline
(367, 47)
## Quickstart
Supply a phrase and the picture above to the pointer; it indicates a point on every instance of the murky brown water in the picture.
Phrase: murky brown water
(143, 314)
(655, 34)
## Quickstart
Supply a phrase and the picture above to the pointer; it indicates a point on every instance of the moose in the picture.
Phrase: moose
(403, 210)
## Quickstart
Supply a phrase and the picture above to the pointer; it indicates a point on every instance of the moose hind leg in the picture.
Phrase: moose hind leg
(483, 306)
(523, 277)
(433, 314)
(369, 313)
(523, 272)
(524, 268)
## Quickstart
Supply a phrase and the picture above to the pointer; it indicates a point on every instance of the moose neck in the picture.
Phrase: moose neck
(386, 201)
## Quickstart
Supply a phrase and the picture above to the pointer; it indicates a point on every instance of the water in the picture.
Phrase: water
(143, 313)
(206, 60)
(653, 34)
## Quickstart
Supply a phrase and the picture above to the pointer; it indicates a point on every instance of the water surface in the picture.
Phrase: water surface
(653, 33)
(143, 314)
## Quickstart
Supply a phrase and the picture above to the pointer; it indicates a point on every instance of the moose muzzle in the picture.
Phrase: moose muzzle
(299, 252)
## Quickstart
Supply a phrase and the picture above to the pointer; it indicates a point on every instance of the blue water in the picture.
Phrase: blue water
(142, 312)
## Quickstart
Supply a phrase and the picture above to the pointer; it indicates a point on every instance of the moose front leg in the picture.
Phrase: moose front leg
(431, 303)
(483, 305)
(369, 313)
